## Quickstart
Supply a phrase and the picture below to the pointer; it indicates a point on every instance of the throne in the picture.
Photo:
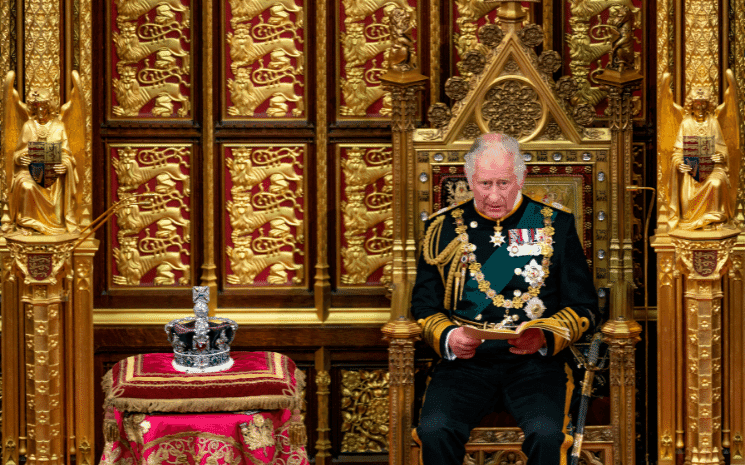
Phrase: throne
(509, 89)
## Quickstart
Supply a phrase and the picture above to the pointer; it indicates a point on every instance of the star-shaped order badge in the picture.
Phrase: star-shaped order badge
(497, 238)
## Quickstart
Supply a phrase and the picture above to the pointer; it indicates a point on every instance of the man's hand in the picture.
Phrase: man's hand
(528, 343)
(60, 168)
(717, 158)
(463, 345)
(24, 160)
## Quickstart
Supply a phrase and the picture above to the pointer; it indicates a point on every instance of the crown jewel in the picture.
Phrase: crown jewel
(201, 344)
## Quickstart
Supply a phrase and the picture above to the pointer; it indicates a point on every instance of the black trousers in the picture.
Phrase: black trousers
(534, 389)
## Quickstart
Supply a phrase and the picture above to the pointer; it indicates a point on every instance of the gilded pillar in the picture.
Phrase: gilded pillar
(209, 278)
(323, 383)
(701, 257)
(621, 332)
(404, 82)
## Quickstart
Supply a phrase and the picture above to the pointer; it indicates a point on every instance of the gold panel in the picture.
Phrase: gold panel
(265, 61)
(151, 243)
(701, 45)
(264, 217)
(42, 66)
(364, 410)
(150, 74)
(364, 38)
(366, 214)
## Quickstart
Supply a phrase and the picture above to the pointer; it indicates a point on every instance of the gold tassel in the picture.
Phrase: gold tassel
(297, 429)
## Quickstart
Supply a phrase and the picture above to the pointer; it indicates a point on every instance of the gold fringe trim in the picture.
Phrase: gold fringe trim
(231, 404)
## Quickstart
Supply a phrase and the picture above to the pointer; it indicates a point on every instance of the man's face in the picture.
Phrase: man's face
(494, 184)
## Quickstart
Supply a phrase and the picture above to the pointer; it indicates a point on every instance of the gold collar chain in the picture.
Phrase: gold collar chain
(534, 276)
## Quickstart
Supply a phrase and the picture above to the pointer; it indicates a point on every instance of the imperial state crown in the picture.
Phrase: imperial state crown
(201, 344)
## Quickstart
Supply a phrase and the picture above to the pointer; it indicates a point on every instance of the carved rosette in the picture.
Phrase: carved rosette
(265, 215)
(364, 40)
(512, 107)
(265, 63)
(366, 214)
(151, 60)
(151, 240)
(364, 410)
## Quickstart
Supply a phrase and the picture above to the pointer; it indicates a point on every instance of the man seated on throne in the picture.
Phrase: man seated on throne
(500, 260)
(33, 207)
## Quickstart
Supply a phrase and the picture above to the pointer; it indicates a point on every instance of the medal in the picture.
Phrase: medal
(497, 238)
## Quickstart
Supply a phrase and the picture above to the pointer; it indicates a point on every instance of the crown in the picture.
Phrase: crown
(201, 344)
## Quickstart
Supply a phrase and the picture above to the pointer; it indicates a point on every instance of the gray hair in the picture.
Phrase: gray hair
(488, 142)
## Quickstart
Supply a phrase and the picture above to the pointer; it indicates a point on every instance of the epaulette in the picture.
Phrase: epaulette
(447, 209)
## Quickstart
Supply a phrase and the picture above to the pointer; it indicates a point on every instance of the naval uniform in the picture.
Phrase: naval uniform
(475, 270)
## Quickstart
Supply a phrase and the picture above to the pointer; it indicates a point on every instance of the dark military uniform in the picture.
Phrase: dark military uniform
(539, 271)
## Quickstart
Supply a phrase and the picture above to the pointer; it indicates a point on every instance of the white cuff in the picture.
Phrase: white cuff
(448, 355)
(543, 351)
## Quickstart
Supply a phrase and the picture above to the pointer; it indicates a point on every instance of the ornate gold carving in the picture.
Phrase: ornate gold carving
(621, 22)
(10, 448)
(470, 131)
(512, 107)
(470, 12)
(84, 452)
(263, 211)
(152, 62)
(531, 35)
(439, 115)
(401, 53)
(590, 39)
(42, 18)
(457, 88)
(257, 79)
(147, 234)
(365, 37)
(472, 62)
(364, 405)
(367, 213)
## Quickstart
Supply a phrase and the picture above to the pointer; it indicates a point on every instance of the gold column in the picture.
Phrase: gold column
(621, 332)
(209, 278)
(701, 256)
(323, 381)
(735, 363)
(322, 286)
(400, 330)
(39, 319)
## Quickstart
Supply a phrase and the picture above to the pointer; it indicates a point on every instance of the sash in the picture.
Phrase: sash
(500, 267)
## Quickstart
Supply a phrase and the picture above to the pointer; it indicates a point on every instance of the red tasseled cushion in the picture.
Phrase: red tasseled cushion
(257, 380)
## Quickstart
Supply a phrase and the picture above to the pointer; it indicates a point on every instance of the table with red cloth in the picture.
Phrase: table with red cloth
(248, 414)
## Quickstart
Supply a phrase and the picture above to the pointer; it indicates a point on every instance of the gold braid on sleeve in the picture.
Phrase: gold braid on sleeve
(449, 256)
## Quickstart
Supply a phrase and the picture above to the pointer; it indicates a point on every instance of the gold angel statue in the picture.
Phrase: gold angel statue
(45, 189)
(700, 157)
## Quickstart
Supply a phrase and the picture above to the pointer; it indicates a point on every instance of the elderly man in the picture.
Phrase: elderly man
(500, 259)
